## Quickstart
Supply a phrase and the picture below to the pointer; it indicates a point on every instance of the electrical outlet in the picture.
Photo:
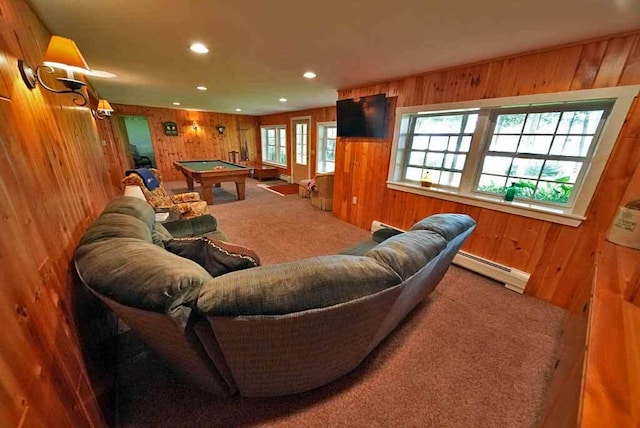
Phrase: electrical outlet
(354, 200)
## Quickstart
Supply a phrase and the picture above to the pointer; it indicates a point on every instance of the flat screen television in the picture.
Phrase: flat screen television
(362, 117)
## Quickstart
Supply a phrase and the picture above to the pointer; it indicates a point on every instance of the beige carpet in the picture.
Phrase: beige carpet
(472, 355)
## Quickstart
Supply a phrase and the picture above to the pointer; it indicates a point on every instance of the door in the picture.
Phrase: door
(300, 148)
(137, 128)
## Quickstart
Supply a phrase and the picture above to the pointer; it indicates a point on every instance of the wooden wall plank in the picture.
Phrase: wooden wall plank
(558, 257)
(55, 177)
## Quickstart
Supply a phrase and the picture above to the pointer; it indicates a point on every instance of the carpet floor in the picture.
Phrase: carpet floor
(473, 354)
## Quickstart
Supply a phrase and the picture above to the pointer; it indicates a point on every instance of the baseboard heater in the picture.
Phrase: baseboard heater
(513, 279)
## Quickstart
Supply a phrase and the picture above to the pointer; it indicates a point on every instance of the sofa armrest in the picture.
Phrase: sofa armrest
(195, 226)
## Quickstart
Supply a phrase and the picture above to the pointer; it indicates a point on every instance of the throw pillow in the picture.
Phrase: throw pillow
(216, 257)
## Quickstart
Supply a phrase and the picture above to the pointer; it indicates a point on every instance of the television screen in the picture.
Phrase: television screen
(362, 117)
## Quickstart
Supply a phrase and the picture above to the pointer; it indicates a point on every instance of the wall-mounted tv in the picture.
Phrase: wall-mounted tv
(362, 117)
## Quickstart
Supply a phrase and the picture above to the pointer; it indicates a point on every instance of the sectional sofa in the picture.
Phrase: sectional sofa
(269, 330)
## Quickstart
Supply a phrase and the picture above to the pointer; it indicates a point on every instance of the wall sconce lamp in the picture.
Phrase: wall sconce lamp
(104, 110)
(194, 125)
(220, 129)
(61, 53)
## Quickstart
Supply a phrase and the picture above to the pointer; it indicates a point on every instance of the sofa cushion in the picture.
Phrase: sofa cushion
(408, 252)
(188, 228)
(115, 225)
(285, 288)
(133, 207)
(447, 225)
(160, 235)
(216, 257)
(142, 275)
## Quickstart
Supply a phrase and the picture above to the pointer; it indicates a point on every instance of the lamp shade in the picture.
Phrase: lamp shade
(103, 105)
(63, 53)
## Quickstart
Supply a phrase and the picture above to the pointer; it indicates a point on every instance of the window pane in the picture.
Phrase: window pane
(434, 159)
(492, 183)
(330, 167)
(416, 158)
(541, 123)
(566, 172)
(438, 143)
(332, 132)
(510, 123)
(271, 153)
(450, 178)
(420, 142)
(454, 161)
(439, 124)
(414, 174)
(567, 145)
(496, 165)
(554, 192)
(504, 143)
(472, 121)
(459, 144)
(579, 122)
(537, 144)
(528, 168)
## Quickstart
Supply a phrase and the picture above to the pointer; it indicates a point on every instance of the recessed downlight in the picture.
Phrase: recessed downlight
(175, 103)
(309, 75)
(201, 88)
(283, 100)
(238, 109)
(199, 48)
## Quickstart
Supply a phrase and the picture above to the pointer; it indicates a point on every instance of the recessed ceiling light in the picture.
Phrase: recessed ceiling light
(283, 100)
(199, 48)
(201, 88)
(175, 103)
(238, 109)
(310, 75)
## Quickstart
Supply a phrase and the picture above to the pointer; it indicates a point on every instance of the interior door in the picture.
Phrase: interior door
(300, 149)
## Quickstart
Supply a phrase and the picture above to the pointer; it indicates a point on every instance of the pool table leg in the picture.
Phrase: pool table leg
(240, 189)
(207, 193)
(189, 181)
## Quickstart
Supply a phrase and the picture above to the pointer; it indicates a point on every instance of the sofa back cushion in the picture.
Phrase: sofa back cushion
(133, 207)
(408, 252)
(115, 225)
(285, 288)
(142, 275)
(446, 225)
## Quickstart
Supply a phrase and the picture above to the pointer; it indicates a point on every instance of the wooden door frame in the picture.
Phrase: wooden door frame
(293, 146)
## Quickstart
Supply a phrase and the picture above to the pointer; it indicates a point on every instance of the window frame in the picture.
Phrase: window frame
(622, 98)
(321, 141)
(278, 146)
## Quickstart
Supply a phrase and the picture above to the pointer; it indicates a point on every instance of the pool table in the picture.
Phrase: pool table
(213, 172)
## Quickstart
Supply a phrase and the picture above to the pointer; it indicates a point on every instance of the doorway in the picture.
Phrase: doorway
(137, 128)
(300, 148)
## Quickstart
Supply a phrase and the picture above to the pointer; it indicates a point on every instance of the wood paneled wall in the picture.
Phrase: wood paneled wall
(203, 143)
(54, 179)
(560, 258)
(323, 114)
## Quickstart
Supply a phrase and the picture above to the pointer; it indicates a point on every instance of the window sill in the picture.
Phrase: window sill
(278, 165)
(524, 209)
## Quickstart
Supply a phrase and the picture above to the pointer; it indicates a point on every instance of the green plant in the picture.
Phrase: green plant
(557, 192)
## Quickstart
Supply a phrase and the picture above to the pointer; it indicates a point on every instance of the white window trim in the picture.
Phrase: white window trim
(318, 126)
(263, 144)
(571, 216)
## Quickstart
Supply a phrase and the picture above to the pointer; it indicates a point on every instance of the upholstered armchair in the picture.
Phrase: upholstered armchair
(186, 204)
(321, 191)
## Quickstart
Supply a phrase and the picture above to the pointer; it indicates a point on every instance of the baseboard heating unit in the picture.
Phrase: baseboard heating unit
(513, 279)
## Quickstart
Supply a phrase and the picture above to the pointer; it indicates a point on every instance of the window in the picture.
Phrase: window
(327, 133)
(274, 144)
(301, 143)
(550, 149)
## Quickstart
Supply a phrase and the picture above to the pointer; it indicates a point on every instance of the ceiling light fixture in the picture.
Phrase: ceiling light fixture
(104, 110)
(283, 100)
(175, 103)
(201, 88)
(309, 75)
(199, 48)
(238, 109)
(64, 54)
